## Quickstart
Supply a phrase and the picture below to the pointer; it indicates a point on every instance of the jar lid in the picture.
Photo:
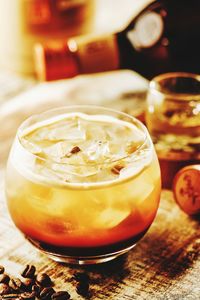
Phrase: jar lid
(186, 189)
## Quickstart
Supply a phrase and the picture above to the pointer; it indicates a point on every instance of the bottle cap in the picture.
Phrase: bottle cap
(54, 60)
(186, 189)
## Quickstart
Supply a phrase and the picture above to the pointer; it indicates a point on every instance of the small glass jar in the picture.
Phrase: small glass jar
(173, 119)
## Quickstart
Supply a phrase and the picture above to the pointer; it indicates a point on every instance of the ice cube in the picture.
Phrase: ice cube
(95, 132)
(142, 186)
(110, 217)
(105, 174)
(33, 148)
(58, 150)
(64, 130)
(97, 151)
(75, 173)
(75, 134)
(58, 226)
(45, 170)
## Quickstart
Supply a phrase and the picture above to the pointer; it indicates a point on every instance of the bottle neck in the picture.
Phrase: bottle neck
(95, 53)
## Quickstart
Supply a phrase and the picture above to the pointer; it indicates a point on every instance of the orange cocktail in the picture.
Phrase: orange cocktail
(83, 183)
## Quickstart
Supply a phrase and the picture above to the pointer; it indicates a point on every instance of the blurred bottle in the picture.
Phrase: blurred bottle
(173, 120)
(163, 37)
(25, 22)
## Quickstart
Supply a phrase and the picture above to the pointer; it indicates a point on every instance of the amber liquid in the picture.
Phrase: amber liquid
(84, 222)
(80, 251)
(175, 129)
(79, 190)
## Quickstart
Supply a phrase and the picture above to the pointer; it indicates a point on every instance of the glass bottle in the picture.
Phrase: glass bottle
(153, 43)
(25, 22)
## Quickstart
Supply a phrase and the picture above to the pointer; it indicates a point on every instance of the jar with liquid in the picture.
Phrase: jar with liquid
(173, 119)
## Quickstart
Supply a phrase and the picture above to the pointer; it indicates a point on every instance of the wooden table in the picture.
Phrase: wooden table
(164, 265)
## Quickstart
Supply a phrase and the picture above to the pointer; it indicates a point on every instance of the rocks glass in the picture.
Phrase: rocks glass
(83, 183)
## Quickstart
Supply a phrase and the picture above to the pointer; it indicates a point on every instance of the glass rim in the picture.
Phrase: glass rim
(154, 85)
(79, 107)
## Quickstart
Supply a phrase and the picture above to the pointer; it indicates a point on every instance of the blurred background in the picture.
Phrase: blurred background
(23, 23)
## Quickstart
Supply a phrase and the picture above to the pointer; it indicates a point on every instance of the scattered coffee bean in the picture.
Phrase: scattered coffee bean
(4, 278)
(75, 149)
(116, 169)
(27, 296)
(15, 284)
(46, 293)
(43, 280)
(29, 271)
(10, 297)
(80, 276)
(4, 289)
(62, 295)
(28, 283)
(37, 289)
(82, 288)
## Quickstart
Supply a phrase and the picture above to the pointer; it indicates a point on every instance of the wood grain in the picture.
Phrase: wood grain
(165, 264)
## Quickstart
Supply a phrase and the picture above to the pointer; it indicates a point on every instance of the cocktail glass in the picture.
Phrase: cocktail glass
(83, 183)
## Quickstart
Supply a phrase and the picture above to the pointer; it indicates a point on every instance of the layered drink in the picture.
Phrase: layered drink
(83, 183)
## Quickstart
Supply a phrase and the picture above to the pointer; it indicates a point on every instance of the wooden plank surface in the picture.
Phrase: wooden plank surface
(164, 265)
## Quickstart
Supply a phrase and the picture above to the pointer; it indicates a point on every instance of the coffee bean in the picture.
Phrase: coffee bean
(28, 283)
(10, 297)
(82, 288)
(43, 280)
(4, 289)
(46, 293)
(15, 284)
(116, 169)
(4, 278)
(62, 295)
(37, 289)
(37, 286)
(80, 276)
(2, 269)
(75, 149)
(29, 271)
(27, 296)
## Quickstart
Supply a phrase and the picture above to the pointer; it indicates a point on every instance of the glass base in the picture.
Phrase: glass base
(84, 260)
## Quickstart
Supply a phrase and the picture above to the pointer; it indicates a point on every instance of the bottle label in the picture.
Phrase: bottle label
(147, 31)
(95, 54)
